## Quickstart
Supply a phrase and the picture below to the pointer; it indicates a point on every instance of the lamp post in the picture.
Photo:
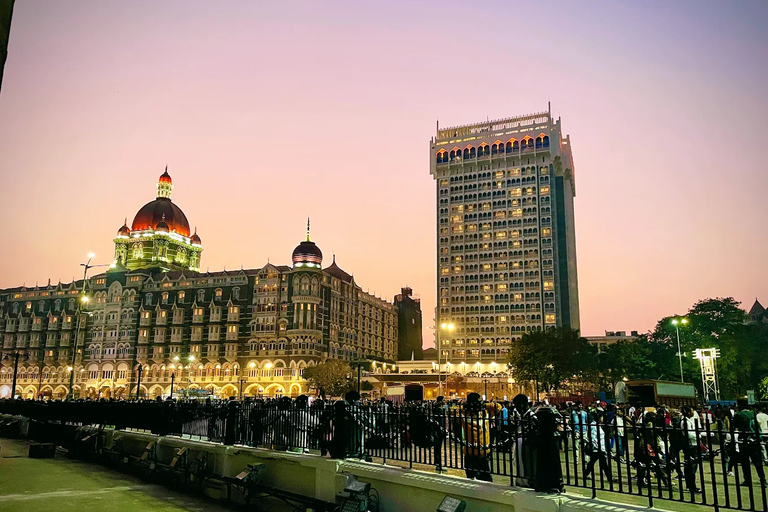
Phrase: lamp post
(445, 326)
(80, 309)
(359, 365)
(173, 377)
(676, 322)
(16, 355)
(139, 370)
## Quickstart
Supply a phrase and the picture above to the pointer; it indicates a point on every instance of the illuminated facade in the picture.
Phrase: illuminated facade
(506, 261)
(249, 331)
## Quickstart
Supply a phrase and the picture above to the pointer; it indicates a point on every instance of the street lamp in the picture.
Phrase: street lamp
(139, 370)
(16, 354)
(676, 322)
(359, 365)
(81, 307)
(449, 327)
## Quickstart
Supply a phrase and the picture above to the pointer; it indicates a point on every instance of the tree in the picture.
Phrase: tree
(331, 377)
(553, 358)
(718, 323)
(643, 358)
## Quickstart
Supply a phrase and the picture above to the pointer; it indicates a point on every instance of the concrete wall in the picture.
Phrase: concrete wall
(399, 489)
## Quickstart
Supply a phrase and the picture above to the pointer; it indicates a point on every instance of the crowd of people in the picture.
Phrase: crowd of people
(476, 434)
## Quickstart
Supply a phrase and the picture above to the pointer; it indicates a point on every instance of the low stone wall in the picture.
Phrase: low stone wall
(399, 489)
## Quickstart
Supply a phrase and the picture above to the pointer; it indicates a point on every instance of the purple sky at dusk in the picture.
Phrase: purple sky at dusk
(269, 112)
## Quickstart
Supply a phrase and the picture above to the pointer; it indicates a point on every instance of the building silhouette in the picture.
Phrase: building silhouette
(409, 325)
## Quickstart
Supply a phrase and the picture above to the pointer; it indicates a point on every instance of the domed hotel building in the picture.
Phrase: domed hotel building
(154, 317)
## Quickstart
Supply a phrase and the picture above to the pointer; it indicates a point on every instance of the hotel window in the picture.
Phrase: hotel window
(549, 318)
(218, 293)
(544, 190)
(546, 231)
(181, 296)
(164, 297)
(549, 285)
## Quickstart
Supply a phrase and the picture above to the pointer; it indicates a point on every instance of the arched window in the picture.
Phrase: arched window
(236, 293)
(200, 295)
(148, 299)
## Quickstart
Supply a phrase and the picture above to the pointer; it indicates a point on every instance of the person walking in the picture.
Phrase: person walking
(762, 422)
(691, 428)
(748, 440)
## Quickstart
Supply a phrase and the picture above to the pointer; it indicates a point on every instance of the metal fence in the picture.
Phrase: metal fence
(693, 461)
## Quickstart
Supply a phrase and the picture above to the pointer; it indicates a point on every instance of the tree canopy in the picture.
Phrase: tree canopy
(333, 377)
(553, 358)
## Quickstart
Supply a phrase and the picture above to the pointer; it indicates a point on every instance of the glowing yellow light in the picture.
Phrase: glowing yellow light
(674, 322)
(252, 365)
(85, 299)
(191, 358)
(175, 358)
(268, 366)
(684, 321)
(171, 366)
(69, 368)
(91, 255)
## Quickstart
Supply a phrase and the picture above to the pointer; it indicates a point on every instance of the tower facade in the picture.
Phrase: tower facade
(506, 245)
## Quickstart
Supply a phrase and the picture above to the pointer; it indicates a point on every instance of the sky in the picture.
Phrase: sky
(267, 113)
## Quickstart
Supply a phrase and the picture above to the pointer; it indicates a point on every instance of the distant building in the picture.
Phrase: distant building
(408, 326)
(611, 337)
(757, 314)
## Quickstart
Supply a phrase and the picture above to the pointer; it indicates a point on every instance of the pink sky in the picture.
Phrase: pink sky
(269, 112)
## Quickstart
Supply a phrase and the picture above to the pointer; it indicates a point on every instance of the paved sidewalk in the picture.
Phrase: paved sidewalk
(67, 485)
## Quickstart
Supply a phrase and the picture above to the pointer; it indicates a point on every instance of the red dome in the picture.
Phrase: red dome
(161, 209)
(165, 177)
(195, 240)
(123, 231)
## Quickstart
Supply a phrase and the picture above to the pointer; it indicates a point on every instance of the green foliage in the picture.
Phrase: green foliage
(553, 358)
(333, 377)
(639, 359)
(718, 323)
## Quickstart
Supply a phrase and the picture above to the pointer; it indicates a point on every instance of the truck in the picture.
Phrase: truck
(662, 392)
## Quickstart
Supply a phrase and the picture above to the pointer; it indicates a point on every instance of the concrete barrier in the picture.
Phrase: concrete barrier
(399, 489)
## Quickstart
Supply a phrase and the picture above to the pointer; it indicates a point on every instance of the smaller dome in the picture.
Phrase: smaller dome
(162, 226)
(195, 240)
(165, 177)
(307, 254)
(124, 229)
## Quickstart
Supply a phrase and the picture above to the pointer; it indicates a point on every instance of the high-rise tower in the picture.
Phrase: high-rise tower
(506, 246)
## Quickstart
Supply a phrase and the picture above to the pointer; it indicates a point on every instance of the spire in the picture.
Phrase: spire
(307, 229)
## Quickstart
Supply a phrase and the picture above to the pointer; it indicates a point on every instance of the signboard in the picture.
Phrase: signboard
(395, 390)
(672, 389)
(751, 396)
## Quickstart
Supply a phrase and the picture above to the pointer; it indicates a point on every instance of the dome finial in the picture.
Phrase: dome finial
(307, 229)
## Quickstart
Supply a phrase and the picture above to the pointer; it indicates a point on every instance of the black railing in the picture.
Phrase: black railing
(687, 460)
